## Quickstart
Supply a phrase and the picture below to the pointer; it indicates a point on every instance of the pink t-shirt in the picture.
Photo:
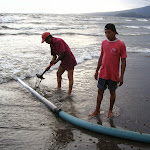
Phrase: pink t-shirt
(111, 51)
(68, 61)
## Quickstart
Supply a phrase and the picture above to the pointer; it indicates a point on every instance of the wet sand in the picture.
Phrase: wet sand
(26, 123)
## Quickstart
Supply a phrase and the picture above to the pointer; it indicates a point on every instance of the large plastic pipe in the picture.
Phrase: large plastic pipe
(125, 134)
(50, 105)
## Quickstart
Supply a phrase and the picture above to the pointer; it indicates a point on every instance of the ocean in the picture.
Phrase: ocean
(23, 55)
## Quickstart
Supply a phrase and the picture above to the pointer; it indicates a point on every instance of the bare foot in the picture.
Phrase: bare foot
(94, 113)
(58, 88)
(69, 93)
(110, 114)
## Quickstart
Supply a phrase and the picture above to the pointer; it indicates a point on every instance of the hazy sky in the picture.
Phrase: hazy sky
(68, 6)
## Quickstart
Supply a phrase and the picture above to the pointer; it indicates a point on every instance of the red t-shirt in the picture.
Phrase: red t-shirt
(111, 51)
(68, 61)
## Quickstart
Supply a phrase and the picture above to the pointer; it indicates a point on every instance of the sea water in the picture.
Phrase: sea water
(23, 55)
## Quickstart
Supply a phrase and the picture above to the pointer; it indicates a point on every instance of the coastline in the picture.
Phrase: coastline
(26, 118)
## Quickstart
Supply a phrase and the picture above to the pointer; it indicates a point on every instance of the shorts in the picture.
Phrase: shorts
(103, 84)
(69, 65)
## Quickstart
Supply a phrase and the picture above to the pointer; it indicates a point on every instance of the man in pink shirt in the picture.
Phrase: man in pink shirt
(61, 52)
(112, 50)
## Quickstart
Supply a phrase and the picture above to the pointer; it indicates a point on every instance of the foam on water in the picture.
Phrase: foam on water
(138, 50)
(135, 27)
(143, 20)
(31, 66)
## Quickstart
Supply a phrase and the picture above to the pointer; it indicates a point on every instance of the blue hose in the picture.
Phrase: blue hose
(125, 134)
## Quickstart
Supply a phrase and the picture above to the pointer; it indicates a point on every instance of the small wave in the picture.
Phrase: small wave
(96, 19)
(143, 20)
(37, 16)
(88, 19)
(9, 19)
(20, 33)
(6, 79)
(65, 27)
(19, 28)
(128, 20)
(134, 27)
(2, 34)
(37, 22)
(85, 56)
(6, 19)
(84, 34)
(138, 50)
(134, 34)
(6, 27)
(147, 27)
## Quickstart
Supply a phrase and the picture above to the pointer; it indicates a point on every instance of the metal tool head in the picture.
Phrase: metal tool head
(40, 76)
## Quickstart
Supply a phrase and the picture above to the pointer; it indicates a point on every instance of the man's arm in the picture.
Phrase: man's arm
(54, 57)
(98, 66)
(123, 67)
(54, 60)
(61, 51)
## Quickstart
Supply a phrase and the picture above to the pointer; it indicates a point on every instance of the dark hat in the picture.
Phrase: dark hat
(111, 26)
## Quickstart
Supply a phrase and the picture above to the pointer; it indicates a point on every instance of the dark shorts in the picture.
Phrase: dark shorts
(69, 65)
(103, 84)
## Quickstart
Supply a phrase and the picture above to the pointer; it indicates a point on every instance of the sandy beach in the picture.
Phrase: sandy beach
(27, 124)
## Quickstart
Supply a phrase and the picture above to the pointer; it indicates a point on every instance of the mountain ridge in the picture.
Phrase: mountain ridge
(142, 12)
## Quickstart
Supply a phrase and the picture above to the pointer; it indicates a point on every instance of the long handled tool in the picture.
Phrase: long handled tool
(40, 77)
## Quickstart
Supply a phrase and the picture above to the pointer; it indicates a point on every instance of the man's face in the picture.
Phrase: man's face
(110, 35)
(49, 40)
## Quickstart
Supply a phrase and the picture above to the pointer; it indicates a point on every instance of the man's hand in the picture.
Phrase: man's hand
(120, 81)
(96, 75)
(53, 62)
(47, 68)
(123, 67)
(98, 67)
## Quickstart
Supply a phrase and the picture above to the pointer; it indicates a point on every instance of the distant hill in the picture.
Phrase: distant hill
(143, 12)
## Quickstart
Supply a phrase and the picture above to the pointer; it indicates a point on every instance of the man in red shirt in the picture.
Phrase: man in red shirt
(61, 52)
(112, 50)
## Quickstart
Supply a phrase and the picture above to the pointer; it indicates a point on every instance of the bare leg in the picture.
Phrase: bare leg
(99, 100)
(70, 77)
(112, 101)
(60, 71)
